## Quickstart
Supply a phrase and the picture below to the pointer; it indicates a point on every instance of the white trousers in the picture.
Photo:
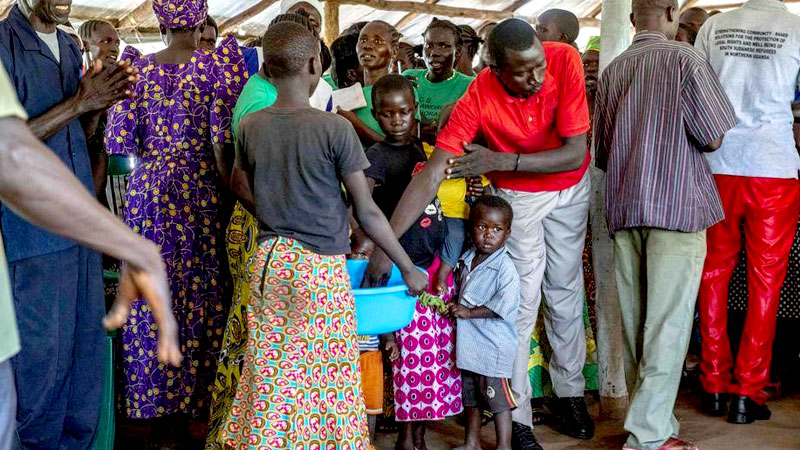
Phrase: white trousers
(546, 245)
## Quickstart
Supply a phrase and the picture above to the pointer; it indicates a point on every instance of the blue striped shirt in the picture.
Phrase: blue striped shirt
(657, 103)
(488, 346)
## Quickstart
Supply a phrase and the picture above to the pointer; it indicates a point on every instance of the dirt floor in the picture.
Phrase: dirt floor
(708, 433)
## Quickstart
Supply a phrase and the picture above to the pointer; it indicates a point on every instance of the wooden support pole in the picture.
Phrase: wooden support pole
(331, 21)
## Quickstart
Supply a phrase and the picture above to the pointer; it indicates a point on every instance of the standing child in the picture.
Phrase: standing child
(392, 163)
(426, 381)
(299, 385)
(488, 294)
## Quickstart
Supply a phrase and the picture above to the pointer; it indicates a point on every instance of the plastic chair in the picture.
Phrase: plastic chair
(119, 167)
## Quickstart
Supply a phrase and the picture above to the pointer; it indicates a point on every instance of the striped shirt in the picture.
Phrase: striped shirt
(488, 346)
(657, 103)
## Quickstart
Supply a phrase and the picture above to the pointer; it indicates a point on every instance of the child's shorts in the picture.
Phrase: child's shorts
(372, 381)
(487, 393)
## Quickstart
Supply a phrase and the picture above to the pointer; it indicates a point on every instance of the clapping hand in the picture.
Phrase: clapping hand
(100, 88)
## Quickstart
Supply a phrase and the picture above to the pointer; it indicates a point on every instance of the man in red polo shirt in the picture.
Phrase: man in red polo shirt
(530, 108)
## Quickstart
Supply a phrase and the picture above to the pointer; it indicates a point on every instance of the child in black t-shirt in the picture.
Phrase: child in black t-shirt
(393, 163)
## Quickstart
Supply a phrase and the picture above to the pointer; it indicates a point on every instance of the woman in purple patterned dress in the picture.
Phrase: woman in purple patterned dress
(178, 126)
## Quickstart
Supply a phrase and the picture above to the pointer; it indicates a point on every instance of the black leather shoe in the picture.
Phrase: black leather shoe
(714, 404)
(575, 418)
(522, 437)
(744, 410)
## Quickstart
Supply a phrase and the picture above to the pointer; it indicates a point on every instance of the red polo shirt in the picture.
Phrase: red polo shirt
(513, 125)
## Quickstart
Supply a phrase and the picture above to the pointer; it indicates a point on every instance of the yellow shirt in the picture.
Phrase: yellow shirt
(452, 192)
(9, 337)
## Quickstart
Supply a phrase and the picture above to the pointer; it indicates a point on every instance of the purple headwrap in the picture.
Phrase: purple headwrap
(180, 13)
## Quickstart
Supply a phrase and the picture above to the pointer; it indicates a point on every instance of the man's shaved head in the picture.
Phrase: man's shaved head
(656, 15)
(694, 18)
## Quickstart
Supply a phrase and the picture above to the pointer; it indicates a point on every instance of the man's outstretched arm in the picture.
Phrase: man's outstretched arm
(35, 184)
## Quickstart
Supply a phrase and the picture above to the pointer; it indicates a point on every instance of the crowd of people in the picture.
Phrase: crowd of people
(247, 175)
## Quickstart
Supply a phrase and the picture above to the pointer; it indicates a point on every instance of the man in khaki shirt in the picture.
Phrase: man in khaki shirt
(37, 186)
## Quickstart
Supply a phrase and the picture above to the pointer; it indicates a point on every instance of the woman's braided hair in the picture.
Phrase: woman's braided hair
(89, 27)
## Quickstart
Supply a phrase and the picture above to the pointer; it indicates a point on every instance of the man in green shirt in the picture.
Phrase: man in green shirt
(39, 187)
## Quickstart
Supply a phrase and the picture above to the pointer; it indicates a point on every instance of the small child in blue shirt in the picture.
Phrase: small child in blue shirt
(486, 337)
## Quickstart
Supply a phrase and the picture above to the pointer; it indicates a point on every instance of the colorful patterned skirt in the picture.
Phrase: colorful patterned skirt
(241, 246)
(427, 384)
(300, 386)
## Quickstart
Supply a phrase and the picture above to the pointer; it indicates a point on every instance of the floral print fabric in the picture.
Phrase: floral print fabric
(178, 113)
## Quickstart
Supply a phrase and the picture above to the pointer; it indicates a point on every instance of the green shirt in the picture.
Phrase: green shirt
(365, 113)
(434, 96)
(329, 79)
(9, 337)
(257, 94)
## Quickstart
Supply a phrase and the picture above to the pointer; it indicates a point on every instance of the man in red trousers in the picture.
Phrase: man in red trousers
(754, 51)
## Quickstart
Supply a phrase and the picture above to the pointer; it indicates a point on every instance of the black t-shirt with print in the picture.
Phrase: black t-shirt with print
(392, 166)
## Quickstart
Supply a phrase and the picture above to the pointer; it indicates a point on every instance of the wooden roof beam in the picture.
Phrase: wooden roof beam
(138, 16)
(689, 4)
(589, 21)
(431, 8)
(411, 16)
(244, 16)
(517, 5)
(738, 5)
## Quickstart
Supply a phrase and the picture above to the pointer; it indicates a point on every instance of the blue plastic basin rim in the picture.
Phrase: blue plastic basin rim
(385, 289)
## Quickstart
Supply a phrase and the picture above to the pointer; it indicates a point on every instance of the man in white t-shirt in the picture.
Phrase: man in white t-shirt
(755, 51)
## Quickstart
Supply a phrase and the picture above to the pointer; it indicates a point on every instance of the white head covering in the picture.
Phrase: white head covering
(25, 6)
(286, 5)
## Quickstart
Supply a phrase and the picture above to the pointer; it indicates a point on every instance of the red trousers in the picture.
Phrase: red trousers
(769, 209)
